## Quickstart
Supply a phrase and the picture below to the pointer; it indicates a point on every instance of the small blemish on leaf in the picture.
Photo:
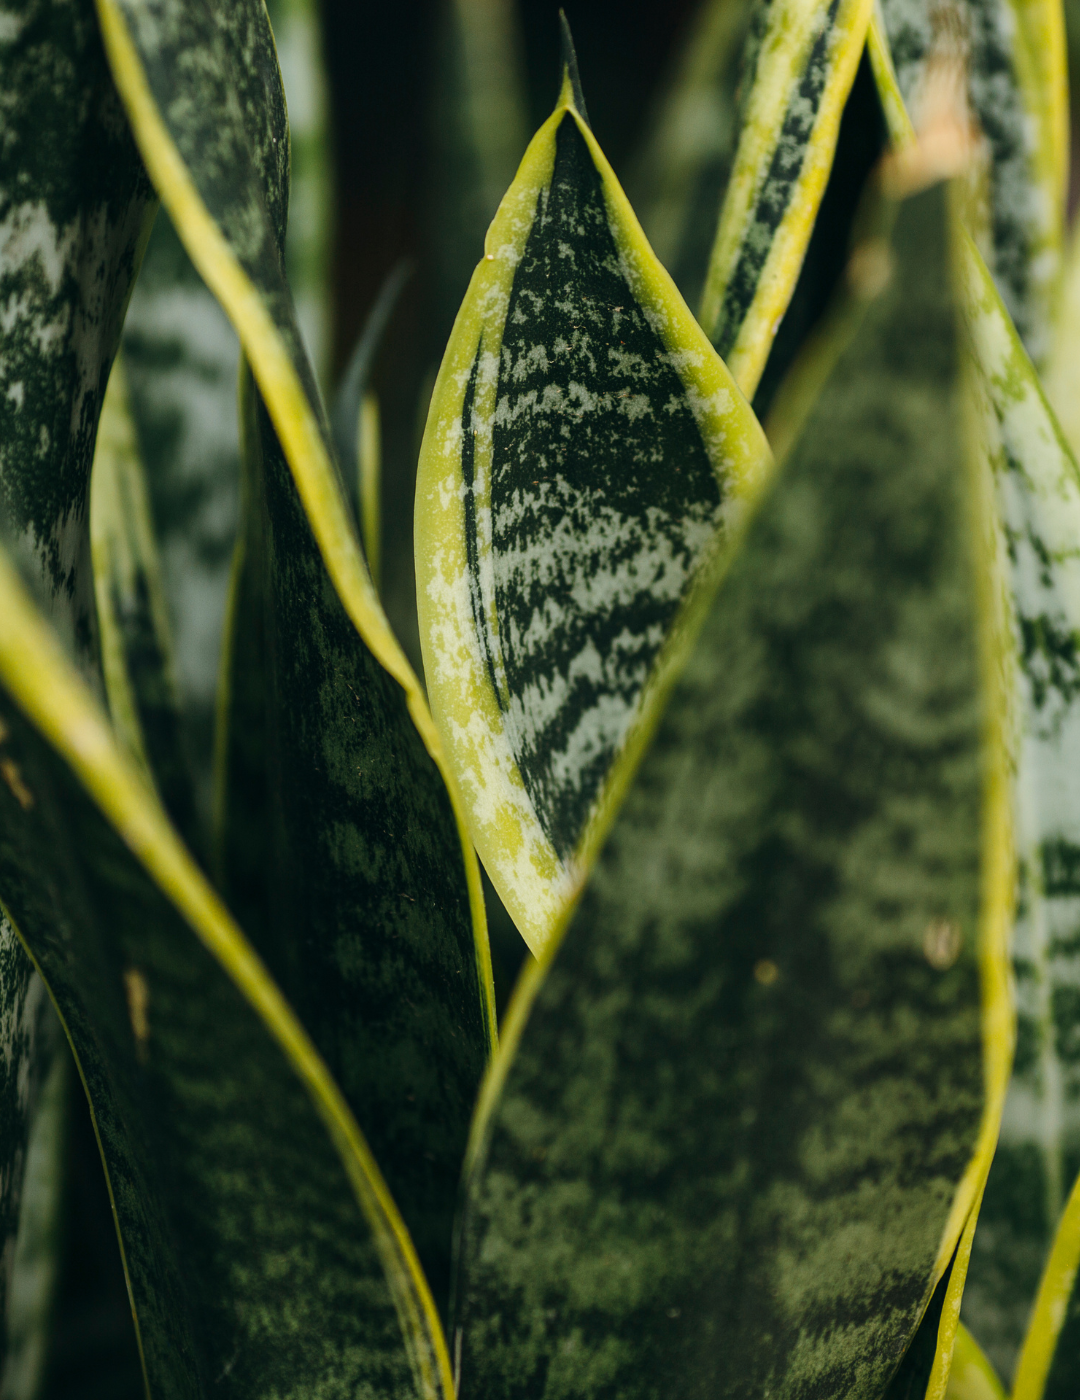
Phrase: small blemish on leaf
(766, 972)
(138, 1000)
(941, 943)
(9, 769)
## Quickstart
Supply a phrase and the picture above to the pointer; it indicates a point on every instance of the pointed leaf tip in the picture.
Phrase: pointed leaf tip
(570, 68)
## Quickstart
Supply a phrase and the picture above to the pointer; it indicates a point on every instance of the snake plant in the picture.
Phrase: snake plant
(744, 656)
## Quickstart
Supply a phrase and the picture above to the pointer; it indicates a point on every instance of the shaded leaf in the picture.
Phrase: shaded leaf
(800, 64)
(741, 1115)
(136, 646)
(368, 905)
(1049, 1362)
(263, 1252)
(583, 448)
(180, 356)
(299, 43)
(31, 1143)
(686, 159)
(479, 132)
(35, 1261)
(1015, 55)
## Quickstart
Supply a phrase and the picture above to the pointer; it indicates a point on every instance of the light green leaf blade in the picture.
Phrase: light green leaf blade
(1015, 56)
(1048, 1365)
(136, 645)
(740, 1117)
(352, 883)
(801, 62)
(261, 1245)
(686, 159)
(972, 1377)
(32, 1110)
(76, 206)
(582, 451)
(181, 356)
(298, 39)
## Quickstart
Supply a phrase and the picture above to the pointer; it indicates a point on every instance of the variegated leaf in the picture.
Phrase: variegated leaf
(1015, 55)
(798, 70)
(136, 646)
(182, 357)
(585, 450)
(741, 1113)
(687, 157)
(74, 212)
(1039, 500)
(263, 1252)
(366, 899)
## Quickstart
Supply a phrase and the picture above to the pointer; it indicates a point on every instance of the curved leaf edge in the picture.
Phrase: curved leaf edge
(537, 890)
(997, 865)
(296, 426)
(44, 684)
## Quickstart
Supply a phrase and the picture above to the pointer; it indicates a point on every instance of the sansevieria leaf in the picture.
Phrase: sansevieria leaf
(1014, 55)
(1039, 494)
(687, 157)
(801, 60)
(585, 450)
(74, 212)
(263, 1252)
(368, 893)
(136, 646)
(741, 1113)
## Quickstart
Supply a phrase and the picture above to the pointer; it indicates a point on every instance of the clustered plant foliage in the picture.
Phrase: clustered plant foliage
(747, 595)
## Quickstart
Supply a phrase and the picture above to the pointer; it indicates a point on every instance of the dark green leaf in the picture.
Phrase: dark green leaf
(74, 206)
(735, 1131)
(367, 924)
(263, 1253)
(33, 1079)
(585, 450)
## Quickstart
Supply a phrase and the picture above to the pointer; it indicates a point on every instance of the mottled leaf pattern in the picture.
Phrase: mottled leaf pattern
(798, 71)
(367, 923)
(1039, 495)
(74, 202)
(735, 1131)
(263, 1253)
(583, 449)
(136, 646)
(684, 167)
(1016, 61)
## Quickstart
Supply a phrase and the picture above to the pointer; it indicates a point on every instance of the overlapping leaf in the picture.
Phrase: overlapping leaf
(800, 63)
(585, 450)
(262, 1250)
(136, 646)
(366, 904)
(1039, 494)
(741, 1115)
